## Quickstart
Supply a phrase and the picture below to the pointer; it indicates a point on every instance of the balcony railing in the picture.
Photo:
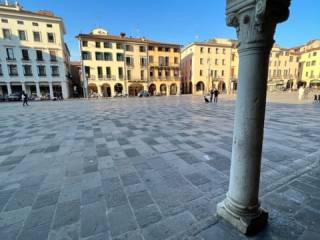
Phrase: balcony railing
(42, 75)
(28, 74)
(25, 59)
(13, 74)
(11, 59)
(55, 74)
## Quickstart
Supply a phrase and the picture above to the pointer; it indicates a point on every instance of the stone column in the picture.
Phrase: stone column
(255, 21)
(23, 85)
(168, 90)
(99, 90)
(51, 90)
(9, 88)
(65, 90)
(38, 89)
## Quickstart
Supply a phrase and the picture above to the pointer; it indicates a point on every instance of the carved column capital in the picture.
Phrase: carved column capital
(256, 20)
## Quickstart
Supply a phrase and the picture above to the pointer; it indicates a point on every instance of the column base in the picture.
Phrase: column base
(247, 224)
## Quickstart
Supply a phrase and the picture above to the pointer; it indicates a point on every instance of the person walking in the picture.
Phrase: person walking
(211, 95)
(24, 97)
(216, 94)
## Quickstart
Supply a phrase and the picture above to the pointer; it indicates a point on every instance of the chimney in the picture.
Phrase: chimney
(122, 35)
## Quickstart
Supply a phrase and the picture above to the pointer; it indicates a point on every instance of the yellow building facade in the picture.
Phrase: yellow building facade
(215, 63)
(121, 65)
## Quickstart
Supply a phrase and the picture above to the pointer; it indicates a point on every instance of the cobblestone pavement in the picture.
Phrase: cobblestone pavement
(151, 168)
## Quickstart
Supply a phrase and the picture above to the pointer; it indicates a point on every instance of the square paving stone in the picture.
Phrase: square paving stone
(4, 197)
(91, 195)
(93, 219)
(12, 160)
(66, 214)
(197, 179)
(116, 198)
(130, 179)
(40, 216)
(121, 220)
(131, 152)
(188, 158)
(140, 199)
(23, 197)
(39, 232)
(46, 199)
(147, 215)
(52, 149)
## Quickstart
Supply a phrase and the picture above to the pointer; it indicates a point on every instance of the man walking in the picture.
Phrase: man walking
(211, 95)
(24, 97)
(216, 94)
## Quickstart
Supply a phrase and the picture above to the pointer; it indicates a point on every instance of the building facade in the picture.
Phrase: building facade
(208, 65)
(214, 64)
(120, 65)
(33, 54)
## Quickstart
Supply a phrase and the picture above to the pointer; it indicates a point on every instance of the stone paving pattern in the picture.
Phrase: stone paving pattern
(148, 169)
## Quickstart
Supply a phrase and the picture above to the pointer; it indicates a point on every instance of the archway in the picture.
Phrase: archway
(57, 90)
(301, 84)
(93, 90)
(152, 89)
(106, 90)
(221, 86)
(289, 84)
(200, 86)
(173, 89)
(118, 88)
(163, 89)
(134, 89)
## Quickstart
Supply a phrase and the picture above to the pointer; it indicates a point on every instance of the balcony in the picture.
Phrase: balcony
(13, 74)
(25, 59)
(53, 60)
(28, 74)
(42, 75)
(130, 65)
(55, 74)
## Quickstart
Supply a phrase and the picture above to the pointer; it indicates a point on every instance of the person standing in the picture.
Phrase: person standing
(24, 97)
(211, 95)
(216, 94)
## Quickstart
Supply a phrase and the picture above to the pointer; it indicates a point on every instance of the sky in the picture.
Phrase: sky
(174, 21)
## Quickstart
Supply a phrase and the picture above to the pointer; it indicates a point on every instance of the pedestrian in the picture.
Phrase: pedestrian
(319, 98)
(205, 99)
(24, 98)
(211, 95)
(216, 94)
(316, 100)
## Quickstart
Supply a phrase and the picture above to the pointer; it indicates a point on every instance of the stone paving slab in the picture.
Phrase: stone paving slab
(150, 168)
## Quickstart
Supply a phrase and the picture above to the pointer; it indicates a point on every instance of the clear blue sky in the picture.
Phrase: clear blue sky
(176, 21)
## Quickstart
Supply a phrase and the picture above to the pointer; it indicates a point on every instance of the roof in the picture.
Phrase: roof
(125, 39)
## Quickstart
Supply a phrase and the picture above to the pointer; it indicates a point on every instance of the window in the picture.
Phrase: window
(201, 60)
(13, 70)
(119, 46)
(35, 24)
(120, 72)
(222, 73)
(99, 56)
(85, 43)
(176, 60)
(108, 71)
(6, 33)
(307, 74)
(233, 56)
(86, 55)
(97, 44)
(167, 73)
(151, 73)
(209, 50)
(143, 62)
(53, 56)
(313, 63)
(151, 48)
(39, 55)
(142, 49)
(50, 37)
(167, 49)
(20, 22)
(216, 62)
(129, 74)
(129, 48)
(120, 57)
(176, 73)
(164, 61)
(107, 45)
(25, 54)
(41, 71)
(87, 71)
(22, 35)
(159, 73)
(129, 61)
(10, 54)
(99, 70)
(200, 72)
(142, 74)
(107, 56)
(150, 59)
(27, 70)
(3, 20)
(291, 59)
(49, 25)
(224, 51)
(36, 36)
(314, 54)
(223, 62)
(201, 50)
(1, 73)
(160, 49)
(176, 50)
(217, 50)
